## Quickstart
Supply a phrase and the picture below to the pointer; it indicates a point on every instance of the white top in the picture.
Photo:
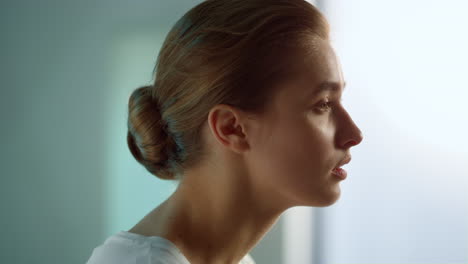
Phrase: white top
(130, 248)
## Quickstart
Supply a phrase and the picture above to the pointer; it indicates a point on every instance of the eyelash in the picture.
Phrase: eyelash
(325, 103)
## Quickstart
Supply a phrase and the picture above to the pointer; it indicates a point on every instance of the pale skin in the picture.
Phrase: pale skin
(260, 167)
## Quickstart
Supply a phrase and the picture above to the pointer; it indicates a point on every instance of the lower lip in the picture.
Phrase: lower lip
(340, 173)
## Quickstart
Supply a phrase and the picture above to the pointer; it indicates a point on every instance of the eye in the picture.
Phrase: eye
(325, 105)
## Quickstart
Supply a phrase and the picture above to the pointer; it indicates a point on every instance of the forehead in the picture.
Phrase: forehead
(321, 64)
(318, 70)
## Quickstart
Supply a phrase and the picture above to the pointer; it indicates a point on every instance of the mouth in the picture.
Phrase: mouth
(345, 161)
(340, 172)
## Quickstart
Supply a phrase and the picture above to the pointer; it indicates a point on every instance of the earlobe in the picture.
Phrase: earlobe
(227, 130)
(239, 141)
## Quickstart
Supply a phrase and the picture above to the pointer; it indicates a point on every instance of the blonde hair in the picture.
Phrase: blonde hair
(231, 52)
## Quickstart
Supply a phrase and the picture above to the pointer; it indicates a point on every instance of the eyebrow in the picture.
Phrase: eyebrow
(328, 86)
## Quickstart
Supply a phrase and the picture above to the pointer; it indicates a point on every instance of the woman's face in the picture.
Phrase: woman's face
(305, 135)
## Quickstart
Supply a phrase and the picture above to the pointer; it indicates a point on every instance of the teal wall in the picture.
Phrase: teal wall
(68, 180)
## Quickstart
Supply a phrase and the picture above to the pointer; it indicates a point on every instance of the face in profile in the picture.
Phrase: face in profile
(306, 133)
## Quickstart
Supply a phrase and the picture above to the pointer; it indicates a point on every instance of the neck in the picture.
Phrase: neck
(216, 218)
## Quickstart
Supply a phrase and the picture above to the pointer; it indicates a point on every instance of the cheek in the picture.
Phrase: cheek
(299, 166)
(295, 155)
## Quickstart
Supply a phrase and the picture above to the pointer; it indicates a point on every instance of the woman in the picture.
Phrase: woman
(245, 112)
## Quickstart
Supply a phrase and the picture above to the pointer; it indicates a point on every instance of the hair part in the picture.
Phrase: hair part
(233, 52)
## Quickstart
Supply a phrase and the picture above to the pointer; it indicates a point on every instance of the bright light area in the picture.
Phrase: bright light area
(404, 200)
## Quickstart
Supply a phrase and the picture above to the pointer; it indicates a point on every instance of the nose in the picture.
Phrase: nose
(356, 140)
(350, 133)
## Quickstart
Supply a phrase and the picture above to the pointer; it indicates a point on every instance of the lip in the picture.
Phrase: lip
(344, 162)
(340, 173)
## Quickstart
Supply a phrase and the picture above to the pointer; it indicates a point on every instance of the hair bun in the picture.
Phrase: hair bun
(147, 138)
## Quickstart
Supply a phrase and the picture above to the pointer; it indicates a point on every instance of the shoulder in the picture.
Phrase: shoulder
(247, 260)
(129, 248)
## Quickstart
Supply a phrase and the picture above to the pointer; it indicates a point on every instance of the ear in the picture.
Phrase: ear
(227, 127)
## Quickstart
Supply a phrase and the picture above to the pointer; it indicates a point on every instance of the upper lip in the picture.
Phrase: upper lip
(345, 161)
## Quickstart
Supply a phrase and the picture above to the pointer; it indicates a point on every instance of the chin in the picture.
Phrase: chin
(326, 204)
(325, 200)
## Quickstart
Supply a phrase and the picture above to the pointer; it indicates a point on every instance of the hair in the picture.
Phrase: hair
(232, 52)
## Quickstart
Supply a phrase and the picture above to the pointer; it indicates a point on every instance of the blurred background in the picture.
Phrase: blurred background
(68, 180)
